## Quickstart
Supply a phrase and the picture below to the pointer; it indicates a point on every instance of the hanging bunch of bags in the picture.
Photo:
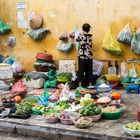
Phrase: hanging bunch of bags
(4, 28)
(65, 44)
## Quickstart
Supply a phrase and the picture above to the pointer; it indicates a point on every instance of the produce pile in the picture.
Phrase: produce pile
(77, 107)
(90, 110)
(64, 77)
(132, 129)
(133, 126)
(110, 109)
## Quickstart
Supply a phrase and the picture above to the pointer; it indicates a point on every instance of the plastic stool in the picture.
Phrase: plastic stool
(133, 87)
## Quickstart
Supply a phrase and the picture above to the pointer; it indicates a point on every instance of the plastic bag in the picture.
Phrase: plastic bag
(64, 93)
(17, 67)
(11, 41)
(44, 98)
(125, 35)
(38, 34)
(63, 37)
(51, 82)
(124, 70)
(37, 84)
(4, 28)
(4, 86)
(77, 33)
(135, 43)
(18, 88)
(110, 44)
(9, 60)
(65, 47)
(133, 72)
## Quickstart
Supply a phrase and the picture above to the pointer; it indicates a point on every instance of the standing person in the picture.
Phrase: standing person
(85, 62)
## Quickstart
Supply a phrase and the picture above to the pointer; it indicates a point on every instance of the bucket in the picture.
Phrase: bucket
(114, 83)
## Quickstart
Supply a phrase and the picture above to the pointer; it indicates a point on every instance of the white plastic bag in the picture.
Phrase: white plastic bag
(124, 70)
(77, 33)
(17, 67)
(135, 43)
(97, 67)
(38, 83)
(125, 35)
(64, 93)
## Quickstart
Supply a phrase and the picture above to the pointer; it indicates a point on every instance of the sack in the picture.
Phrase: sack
(133, 72)
(110, 44)
(125, 35)
(38, 34)
(65, 47)
(4, 28)
(135, 43)
(18, 87)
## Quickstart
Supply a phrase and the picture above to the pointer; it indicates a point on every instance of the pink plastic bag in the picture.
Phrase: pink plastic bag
(17, 67)
(18, 88)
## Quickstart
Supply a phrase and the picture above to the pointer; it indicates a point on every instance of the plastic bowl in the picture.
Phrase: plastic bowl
(66, 121)
(51, 119)
(95, 118)
(131, 132)
(111, 115)
(83, 125)
(71, 116)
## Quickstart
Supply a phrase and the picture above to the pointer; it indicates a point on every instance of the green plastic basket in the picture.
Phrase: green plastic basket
(111, 115)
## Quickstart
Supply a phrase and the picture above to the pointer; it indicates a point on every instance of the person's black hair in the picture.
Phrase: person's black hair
(86, 27)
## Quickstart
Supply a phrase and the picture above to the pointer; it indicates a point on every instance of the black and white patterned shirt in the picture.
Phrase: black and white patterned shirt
(85, 47)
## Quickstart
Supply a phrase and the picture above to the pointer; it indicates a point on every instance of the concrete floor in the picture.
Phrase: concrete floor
(7, 136)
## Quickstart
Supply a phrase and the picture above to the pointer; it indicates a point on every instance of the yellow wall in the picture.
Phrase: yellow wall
(69, 13)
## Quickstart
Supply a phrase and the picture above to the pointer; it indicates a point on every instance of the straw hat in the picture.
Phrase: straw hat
(36, 22)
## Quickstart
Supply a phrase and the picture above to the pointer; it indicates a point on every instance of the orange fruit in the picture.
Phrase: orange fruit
(116, 96)
(17, 99)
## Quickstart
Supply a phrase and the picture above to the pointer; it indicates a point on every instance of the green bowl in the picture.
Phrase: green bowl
(111, 115)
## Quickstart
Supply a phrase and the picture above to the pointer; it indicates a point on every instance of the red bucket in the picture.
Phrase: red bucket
(114, 84)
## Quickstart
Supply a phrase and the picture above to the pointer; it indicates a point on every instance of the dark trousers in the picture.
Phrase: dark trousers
(85, 70)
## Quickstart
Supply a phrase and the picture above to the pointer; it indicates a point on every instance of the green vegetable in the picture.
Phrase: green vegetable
(98, 111)
(90, 110)
(81, 110)
(133, 126)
